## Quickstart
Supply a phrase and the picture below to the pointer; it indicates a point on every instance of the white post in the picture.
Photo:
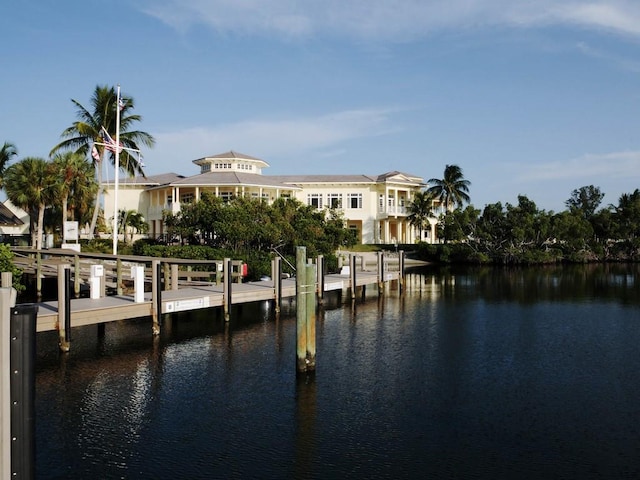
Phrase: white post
(97, 272)
(137, 273)
(7, 300)
(116, 175)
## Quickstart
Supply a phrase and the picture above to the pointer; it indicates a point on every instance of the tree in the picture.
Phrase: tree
(420, 210)
(453, 189)
(585, 200)
(7, 152)
(84, 133)
(30, 185)
(76, 183)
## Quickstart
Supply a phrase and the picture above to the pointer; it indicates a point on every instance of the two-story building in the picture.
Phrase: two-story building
(375, 206)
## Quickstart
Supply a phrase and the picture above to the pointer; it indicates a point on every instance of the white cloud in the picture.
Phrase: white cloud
(273, 138)
(391, 19)
(615, 165)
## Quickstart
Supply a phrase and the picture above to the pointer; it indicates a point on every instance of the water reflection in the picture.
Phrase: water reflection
(479, 373)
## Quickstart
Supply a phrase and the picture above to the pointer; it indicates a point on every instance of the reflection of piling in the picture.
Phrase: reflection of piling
(305, 313)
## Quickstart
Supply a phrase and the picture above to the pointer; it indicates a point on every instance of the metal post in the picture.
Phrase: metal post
(301, 310)
(23, 388)
(7, 301)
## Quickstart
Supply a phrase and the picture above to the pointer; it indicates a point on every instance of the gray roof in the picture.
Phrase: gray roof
(151, 180)
(232, 178)
(230, 155)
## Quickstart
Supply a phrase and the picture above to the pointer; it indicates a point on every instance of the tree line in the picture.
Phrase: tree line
(523, 233)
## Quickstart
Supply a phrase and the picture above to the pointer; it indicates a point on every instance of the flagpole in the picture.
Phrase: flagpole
(116, 174)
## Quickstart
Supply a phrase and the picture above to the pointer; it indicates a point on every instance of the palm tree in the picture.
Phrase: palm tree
(30, 186)
(84, 133)
(7, 151)
(76, 183)
(453, 189)
(420, 209)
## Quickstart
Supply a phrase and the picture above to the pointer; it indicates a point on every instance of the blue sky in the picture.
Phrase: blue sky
(534, 98)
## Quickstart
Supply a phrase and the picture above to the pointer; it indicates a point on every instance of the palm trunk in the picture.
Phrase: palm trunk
(96, 207)
(40, 226)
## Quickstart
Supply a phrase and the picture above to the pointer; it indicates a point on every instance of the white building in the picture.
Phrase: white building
(374, 206)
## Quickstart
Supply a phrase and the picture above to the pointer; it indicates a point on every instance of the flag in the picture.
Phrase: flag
(120, 104)
(95, 154)
(109, 143)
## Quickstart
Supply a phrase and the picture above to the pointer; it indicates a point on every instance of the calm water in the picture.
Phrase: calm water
(481, 373)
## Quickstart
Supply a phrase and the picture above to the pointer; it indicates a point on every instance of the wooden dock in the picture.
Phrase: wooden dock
(172, 286)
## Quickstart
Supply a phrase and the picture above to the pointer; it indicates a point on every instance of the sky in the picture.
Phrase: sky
(528, 98)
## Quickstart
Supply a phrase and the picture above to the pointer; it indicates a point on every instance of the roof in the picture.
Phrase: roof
(232, 178)
(230, 155)
(151, 180)
(8, 218)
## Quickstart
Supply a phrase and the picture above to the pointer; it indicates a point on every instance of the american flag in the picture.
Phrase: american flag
(95, 154)
(109, 143)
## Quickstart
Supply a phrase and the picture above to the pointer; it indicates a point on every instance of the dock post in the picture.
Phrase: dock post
(276, 275)
(137, 274)
(310, 280)
(76, 276)
(156, 296)
(39, 275)
(226, 288)
(401, 270)
(320, 279)
(174, 276)
(118, 276)
(352, 275)
(380, 273)
(301, 310)
(64, 309)
(7, 302)
(23, 390)
(7, 280)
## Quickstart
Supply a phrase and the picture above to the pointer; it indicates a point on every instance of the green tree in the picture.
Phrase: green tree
(7, 152)
(30, 185)
(585, 200)
(87, 132)
(453, 189)
(420, 210)
(76, 185)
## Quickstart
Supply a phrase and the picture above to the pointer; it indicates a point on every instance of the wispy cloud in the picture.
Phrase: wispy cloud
(592, 167)
(391, 19)
(278, 137)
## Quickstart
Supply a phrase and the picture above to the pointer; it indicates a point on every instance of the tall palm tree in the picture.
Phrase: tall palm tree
(30, 186)
(452, 190)
(84, 133)
(420, 209)
(7, 152)
(76, 183)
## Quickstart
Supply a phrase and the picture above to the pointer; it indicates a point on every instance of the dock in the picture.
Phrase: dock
(175, 285)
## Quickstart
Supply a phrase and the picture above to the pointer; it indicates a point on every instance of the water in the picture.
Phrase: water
(477, 373)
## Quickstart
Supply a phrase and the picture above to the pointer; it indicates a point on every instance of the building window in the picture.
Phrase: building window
(315, 200)
(335, 200)
(354, 200)
(226, 196)
(186, 198)
(206, 168)
(169, 199)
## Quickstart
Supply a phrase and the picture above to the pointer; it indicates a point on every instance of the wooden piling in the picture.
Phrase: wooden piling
(276, 276)
(310, 317)
(301, 310)
(119, 283)
(39, 275)
(6, 303)
(352, 276)
(64, 309)
(381, 273)
(156, 297)
(320, 279)
(226, 288)
(76, 276)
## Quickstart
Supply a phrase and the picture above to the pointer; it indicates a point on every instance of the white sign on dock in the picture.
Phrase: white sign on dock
(191, 304)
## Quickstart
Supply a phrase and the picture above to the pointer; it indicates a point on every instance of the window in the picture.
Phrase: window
(186, 198)
(226, 196)
(206, 167)
(315, 200)
(335, 200)
(354, 200)
(169, 199)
